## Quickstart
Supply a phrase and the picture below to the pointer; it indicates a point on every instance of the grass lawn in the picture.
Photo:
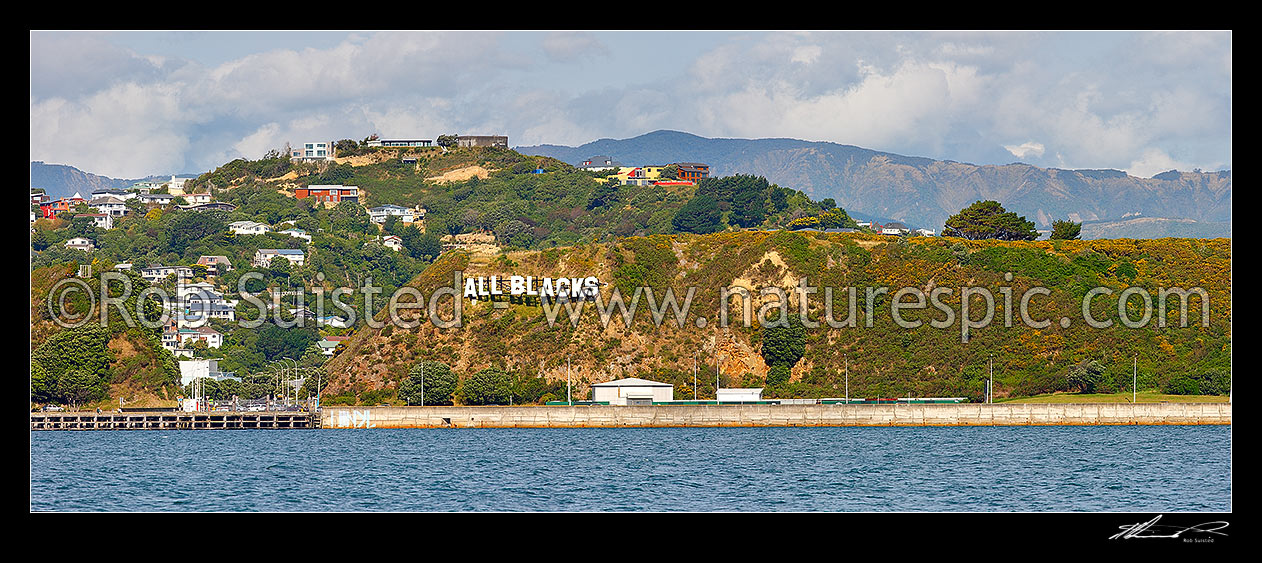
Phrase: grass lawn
(1146, 397)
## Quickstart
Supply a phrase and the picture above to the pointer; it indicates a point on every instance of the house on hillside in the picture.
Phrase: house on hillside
(400, 142)
(393, 242)
(264, 256)
(109, 204)
(249, 228)
(598, 163)
(101, 220)
(482, 141)
(80, 243)
(313, 152)
(330, 193)
(380, 213)
(215, 265)
(895, 228)
(693, 171)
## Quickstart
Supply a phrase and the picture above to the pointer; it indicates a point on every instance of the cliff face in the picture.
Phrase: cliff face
(924, 192)
(884, 359)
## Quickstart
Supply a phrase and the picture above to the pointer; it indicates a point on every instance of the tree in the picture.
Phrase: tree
(604, 195)
(784, 345)
(700, 215)
(350, 216)
(439, 384)
(446, 140)
(1086, 377)
(1066, 230)
(989, 220)
(490, 386)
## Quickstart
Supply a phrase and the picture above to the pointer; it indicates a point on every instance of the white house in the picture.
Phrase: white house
(263, 257)
(101, 220)
(926, 232)
(895, 228)
(393, 242)
(156, 274)
(297, 233)
(80, 243)
(313, 152)
(215, 265)
(174, 339)
(197, 199)
(380, 213)
(109, 205)
(633, 391)
(249, 228)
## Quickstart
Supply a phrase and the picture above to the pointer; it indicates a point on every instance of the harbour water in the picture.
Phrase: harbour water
(980, 469)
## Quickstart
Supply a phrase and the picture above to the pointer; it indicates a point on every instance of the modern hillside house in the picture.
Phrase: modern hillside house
(263, 257)
(482, 141)
(333, 193)
(313, 152)
(400, 143)
(693, 171)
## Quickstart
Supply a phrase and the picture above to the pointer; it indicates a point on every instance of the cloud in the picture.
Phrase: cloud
(1029, 148)
(1154, 161)
(570, 46)
(1135, 101)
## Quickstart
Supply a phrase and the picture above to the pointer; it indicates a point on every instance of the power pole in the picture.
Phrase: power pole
(422, 383)
(568, 398)
(847, 378)
(1134, 377)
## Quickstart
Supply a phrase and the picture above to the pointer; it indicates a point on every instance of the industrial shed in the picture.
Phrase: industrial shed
(633, 391)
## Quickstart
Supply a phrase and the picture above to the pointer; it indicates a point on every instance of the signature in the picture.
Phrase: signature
(1151, 529)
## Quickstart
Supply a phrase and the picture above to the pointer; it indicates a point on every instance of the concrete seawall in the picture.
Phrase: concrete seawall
(777, 415)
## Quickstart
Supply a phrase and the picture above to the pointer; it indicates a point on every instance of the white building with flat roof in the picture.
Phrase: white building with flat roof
(740, 395)
(633, 391)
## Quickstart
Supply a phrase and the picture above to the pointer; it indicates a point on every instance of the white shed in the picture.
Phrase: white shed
(737, 395)
(633, 391)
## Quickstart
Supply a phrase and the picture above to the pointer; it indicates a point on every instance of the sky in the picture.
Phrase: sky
(138, 103)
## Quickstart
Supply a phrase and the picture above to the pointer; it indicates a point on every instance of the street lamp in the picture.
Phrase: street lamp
(990, 384)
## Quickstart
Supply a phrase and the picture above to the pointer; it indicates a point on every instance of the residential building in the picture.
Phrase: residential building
(215, 265)
(393, 242)
(80, 243)
(145, 187)
(101, 220)
(155, 273)
(59, 206)
(334, 193)
(156, 199)
(249, 227)
(313, 152)
(694, 171)
(110, 192)
(332, 321)
(39, 198)
(482, 141)
(109, 204)
(400, 142)
(174, 339)
(895, 228)
(212, 206)
(197, 199)
(926, 232)
(264, 256)
(176, 186)
(633, 391)
(329, 344)
(297, 233)
(380, 213)
(598, 163)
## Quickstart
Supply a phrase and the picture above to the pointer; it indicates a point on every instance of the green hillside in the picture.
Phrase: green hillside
(884, 359)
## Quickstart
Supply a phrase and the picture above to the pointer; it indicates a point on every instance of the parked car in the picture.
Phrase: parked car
(53, 408)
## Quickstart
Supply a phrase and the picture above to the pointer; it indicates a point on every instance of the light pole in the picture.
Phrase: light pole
(568, 397)
(718, 370)
(694, 375)
(990, 383)
(422, 383)
(289, 383)
(847, 356)
(1134, 378)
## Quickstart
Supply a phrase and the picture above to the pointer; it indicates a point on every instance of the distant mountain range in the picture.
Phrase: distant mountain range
(60, 180)
(924, 192)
